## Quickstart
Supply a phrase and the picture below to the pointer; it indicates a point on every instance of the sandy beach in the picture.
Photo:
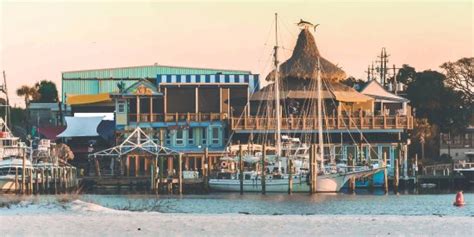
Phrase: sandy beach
(87, 219)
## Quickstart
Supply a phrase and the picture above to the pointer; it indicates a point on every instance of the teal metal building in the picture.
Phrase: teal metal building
(105, 80)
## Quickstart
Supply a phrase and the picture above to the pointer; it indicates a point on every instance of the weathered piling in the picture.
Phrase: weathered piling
(385, 175)
(241, 176)
(180, 173)
(396, 178)
(161, 169)
(313, 169)
(264, 154)
(352, 185)
(205, 169)
(16, 178)
(290, 176)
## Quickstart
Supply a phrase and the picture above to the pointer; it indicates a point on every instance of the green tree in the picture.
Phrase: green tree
(48, 93)
(460, 77)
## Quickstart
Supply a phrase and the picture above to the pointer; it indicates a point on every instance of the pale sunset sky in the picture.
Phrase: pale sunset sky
(41, 39)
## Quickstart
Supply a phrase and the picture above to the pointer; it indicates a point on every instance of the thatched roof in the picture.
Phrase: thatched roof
(303, 62)
(330, 90)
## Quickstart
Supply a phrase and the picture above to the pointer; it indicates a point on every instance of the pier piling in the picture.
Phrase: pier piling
(264, 154)
(241, 167)
(385, 175)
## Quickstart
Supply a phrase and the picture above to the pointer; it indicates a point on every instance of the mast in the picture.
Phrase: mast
(320, 118)
(277, 92)
(7, 108)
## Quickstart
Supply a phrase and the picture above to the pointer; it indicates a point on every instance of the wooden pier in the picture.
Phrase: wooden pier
(45, 180)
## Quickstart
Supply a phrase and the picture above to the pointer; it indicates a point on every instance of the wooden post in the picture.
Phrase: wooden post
(23, 175)
(152, 176)
(241, 177)
(351, 180)
(264, 154)
(313, 169)
(16, 179)
(37, 180)
(31, 181)
(180, 173)
(395, 181)
(385, 176)
(290, 176)
(205, 169)
(161, 168)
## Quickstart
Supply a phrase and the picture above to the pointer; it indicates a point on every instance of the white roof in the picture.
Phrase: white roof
(375, 90)
(81, 127)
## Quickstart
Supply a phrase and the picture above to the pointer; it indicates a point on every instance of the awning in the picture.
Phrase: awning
(81, 127)
(351, 96)
(51, 133)
(88, 99)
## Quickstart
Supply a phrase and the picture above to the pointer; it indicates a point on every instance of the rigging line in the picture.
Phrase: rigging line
(266, 41)
(371, 148)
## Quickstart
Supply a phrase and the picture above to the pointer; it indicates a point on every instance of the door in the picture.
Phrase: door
(132, 167)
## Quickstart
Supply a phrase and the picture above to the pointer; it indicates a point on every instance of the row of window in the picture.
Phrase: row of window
(194, 136)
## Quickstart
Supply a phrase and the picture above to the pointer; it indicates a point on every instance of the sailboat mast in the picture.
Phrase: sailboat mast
(277, 92)
(320, 117)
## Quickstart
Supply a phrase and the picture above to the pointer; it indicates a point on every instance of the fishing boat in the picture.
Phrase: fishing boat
(14, 160)
(331, 177)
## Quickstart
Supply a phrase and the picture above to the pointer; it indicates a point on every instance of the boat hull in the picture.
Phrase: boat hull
(325, 183)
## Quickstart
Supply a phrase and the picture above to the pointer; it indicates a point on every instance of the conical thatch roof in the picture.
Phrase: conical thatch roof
(303, 63)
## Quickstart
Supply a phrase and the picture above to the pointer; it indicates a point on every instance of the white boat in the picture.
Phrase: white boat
(11, 173)
(13, 158)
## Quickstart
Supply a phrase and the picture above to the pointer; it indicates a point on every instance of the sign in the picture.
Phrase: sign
(143, 90)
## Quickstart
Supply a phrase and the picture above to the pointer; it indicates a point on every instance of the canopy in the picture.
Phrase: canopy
(351, 96)
(376, 91)
(88, 99)
(81, 127)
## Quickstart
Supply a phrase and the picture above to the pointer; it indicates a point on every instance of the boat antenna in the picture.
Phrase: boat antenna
(277, 92)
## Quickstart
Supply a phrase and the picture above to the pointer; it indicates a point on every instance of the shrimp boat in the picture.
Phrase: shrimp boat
(14, 160)
(331, 177)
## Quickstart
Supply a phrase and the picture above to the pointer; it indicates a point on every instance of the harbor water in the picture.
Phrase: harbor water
(277, 204)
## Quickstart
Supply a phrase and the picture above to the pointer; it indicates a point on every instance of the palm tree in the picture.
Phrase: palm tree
(29, 94)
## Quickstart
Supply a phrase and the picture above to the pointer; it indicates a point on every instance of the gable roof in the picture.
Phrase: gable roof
(376, 91)
(143, 87)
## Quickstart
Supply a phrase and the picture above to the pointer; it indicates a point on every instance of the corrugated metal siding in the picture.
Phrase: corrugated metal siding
(143, 72)
(91, 86)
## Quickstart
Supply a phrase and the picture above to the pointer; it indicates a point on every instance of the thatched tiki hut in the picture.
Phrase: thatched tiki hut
(298, 79)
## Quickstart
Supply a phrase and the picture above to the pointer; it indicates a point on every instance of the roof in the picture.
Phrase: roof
(303, 63)
(81, 127)
(145, 71)
(376, 91)
(88, 99)
(331, 90)
(49, 106)
(51, 133)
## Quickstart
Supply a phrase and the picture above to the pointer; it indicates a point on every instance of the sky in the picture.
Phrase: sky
(41, 39)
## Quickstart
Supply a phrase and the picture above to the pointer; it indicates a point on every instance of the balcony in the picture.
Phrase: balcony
(177, 117)
(329, 123)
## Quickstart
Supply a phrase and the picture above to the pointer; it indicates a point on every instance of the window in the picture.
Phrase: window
(191, 136)
(121, 107)
(179, 137)
(338, 153)
(204, 136)
(374, 154)
(215, 136)
(168, 137)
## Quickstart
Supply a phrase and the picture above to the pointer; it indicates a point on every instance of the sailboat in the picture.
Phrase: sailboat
(329, 178)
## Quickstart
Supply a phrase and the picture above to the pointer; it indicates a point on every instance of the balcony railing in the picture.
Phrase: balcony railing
(329, 123)
(176, 117)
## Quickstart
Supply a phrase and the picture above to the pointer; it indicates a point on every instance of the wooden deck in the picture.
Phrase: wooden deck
(330, 123)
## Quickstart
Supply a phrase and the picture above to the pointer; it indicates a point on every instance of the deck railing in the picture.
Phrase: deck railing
(177, 117)
(311, 123)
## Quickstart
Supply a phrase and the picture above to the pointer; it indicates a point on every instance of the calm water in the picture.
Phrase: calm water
(283, 204)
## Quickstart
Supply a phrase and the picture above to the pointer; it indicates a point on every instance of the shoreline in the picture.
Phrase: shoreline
(87, 219)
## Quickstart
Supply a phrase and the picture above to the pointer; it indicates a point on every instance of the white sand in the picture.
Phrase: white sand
(85, 219)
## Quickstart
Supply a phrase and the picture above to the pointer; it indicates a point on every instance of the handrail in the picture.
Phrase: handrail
(175, 117)
(334, 122)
